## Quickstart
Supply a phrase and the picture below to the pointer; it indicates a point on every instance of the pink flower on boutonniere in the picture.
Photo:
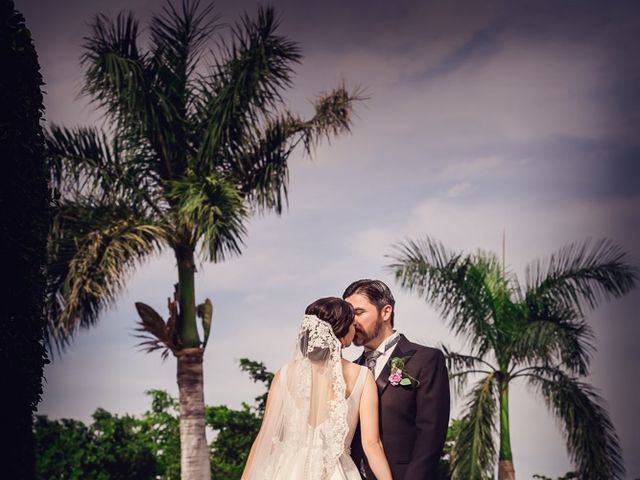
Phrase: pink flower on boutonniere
(395, 378)
(400, 375)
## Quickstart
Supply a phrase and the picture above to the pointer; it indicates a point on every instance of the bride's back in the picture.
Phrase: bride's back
(350, 371)
(313, 402)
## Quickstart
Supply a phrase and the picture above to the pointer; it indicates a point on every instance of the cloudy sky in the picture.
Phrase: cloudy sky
(482, 117)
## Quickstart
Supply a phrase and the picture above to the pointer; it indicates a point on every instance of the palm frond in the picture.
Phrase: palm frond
(333, 114)
(426, 267)
(261, 164)
(261, 168)
(74, 157)
(593, 445)
(554, 334)
(246, 84)
(93, 248)
(86, 163)
(457, 361)
(461, 366)
(454, 283)
(205, 313)
(504, 320)
(214, 211)
(179, 37)
(115, 76)
(126, 84)
(155, 333)
(474, 452)
(582, 275)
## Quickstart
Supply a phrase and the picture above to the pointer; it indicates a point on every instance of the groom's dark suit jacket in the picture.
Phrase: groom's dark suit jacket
(413, 419)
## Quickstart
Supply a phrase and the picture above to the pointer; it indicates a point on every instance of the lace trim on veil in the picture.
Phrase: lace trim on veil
(317, 350)
(321, 336)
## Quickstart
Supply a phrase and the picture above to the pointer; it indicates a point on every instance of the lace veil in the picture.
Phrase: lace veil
(304, 430)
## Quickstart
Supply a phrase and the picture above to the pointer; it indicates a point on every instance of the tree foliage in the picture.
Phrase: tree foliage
(146, 447)
(444, 464)
(111, 448)
(24, 210)
(149, 445)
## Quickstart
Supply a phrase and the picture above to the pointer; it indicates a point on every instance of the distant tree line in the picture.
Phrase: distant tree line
(144, 447)
(147, 447)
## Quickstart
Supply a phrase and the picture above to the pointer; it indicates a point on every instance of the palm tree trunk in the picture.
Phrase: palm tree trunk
(187, 297)
(505, 462)
(194, 451)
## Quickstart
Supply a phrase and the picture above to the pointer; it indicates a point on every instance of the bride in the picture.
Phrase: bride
(314, 404)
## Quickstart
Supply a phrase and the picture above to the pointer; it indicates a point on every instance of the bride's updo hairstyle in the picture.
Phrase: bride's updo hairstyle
(337, 313)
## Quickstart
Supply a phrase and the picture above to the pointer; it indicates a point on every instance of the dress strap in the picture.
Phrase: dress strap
(357, 388)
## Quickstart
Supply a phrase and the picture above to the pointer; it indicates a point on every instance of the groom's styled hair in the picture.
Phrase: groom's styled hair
(376, 291)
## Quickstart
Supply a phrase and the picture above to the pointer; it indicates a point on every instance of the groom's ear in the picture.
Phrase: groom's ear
(386, 312)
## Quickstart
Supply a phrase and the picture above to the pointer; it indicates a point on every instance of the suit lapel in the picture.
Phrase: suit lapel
(383, 378)
(403, 350)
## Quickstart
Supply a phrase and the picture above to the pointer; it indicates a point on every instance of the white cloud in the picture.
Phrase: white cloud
(371, 242)
(469, 168)
(460, 189)
(532, 229)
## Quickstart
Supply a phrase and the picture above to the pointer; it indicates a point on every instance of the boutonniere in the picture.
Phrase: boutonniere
(399, 375)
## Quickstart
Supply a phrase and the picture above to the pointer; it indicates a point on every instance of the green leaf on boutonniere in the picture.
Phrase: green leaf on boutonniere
(397, 363)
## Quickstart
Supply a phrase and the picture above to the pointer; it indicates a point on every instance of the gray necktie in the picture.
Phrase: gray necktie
(371, 357)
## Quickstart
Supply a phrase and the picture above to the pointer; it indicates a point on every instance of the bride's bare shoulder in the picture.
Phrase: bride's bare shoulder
(350, 364)
(350, 368)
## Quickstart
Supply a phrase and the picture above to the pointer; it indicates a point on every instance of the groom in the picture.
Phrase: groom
(413, 417)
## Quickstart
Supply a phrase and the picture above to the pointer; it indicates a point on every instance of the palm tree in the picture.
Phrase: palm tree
(189, 156)
(536, 332)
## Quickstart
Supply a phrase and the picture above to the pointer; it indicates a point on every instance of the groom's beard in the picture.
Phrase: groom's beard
(362, 337)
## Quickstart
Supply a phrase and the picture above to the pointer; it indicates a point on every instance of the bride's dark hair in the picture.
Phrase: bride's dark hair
(335, 311)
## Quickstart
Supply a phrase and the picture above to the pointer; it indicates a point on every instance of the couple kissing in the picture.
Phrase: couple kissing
(383, 417)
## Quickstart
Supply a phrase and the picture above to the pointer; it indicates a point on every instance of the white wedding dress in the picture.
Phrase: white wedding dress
(298, 459)
(309, 422)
